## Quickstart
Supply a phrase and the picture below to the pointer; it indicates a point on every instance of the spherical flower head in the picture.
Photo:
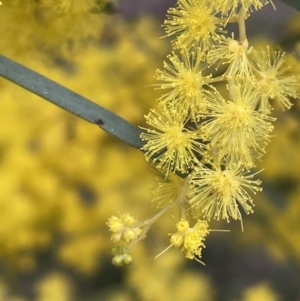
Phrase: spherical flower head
(170, 143)
(217, 191)
(193, 242)
(167, 189)
(228, 7)
(195, 23)
(123, 228)
(235, 127)
(273, 80)
(234, 53)
(190, 240)
(184, 78)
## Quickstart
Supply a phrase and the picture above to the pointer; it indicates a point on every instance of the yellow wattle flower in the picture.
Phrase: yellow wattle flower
(194, 23)
(235, 127)
(229, 7)
(167, 190)
(184, 79)
(123, 228)
(218, 190)
(170, 144)
(190, 240)
(273, 80)
(235, 54)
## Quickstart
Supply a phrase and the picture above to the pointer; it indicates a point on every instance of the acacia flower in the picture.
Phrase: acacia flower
(123, 228)
(170, 143)
(228, 7)
(235, 127)
(190, 240)
(168, 189)
(218, 190)
(272, 80)
(184, 79)
(232, 52)
(194, 23)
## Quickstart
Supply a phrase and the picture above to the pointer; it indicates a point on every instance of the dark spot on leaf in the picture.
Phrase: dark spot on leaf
(99, 122)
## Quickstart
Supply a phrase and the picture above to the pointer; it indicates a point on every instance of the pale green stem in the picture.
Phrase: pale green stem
(214, 153)
(233, 19)
(182, 211)
(242, 25)
(215, 79)
(149, 222)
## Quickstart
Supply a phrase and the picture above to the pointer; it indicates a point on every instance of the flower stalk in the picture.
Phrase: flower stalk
(216, 135)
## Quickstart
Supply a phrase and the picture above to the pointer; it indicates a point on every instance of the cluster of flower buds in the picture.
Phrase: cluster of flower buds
(120, 256)
(123, 228)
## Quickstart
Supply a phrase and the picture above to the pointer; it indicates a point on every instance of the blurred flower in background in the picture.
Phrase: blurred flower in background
(61, 178)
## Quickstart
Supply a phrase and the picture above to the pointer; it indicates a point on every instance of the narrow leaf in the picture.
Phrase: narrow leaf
(70, 101)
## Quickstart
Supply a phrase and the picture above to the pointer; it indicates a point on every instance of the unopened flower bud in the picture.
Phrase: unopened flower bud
(116, 237)
(177, 239)
(114, 224)
(121, 250)
(117, 261)
(128, 259)
(182, 226)
(114, 251)
(128, 220)
(129, 235)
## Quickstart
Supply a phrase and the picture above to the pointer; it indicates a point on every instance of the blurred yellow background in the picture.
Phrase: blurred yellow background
(61, 177)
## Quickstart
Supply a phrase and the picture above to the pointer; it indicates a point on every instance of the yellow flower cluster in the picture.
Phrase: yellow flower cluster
(174, 146)
(59, 183)
(195, 23)
(186, 91)
(189, 239)
(211, 136)
(217, 192)
(123, 228)
(120, 256)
